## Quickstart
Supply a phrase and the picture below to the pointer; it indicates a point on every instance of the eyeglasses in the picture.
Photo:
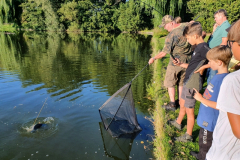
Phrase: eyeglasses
(229, 43)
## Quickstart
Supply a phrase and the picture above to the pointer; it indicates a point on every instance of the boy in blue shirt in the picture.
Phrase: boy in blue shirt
(218, 58)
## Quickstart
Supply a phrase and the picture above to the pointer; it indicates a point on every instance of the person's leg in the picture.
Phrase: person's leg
(190, 120)
(180, 88)
(187, 137)
(171, 92)
(205, 142)
(182, 111)
(170, 82)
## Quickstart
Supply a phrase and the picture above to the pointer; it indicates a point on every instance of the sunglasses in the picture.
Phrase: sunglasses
(229, 43)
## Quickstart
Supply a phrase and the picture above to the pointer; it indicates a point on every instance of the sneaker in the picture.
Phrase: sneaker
(194, 154)
(184, 138)
(175, 124)
(170, 106)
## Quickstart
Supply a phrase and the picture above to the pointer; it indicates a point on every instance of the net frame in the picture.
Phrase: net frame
(132, 122)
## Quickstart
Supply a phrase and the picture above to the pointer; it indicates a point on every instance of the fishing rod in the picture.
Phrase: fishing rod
(40, 111)
(152, 8)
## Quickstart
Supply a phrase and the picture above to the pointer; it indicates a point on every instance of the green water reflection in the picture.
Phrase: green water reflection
(61, 63)
(77, 71)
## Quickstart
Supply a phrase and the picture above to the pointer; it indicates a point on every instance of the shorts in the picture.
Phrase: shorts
(187, 95)
(174, 76)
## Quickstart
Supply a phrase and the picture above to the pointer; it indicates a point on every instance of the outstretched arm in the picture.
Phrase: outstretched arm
(201, 69)
(234, 120)
(158, 56)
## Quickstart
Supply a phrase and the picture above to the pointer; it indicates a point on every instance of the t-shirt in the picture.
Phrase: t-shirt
(177, 44)
(225, 145)
(207, 116)
(198, 55)
(218, 34)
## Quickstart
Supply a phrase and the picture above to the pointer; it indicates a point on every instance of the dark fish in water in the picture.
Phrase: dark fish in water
(38, 126)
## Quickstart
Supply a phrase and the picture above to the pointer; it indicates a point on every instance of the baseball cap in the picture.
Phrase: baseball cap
(166, 19)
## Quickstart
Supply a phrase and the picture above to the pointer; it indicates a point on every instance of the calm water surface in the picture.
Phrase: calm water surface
(73, 75)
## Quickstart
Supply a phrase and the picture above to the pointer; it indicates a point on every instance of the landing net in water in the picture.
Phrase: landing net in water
(118, 112)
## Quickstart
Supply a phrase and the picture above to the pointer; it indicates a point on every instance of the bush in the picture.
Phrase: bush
(206, 10)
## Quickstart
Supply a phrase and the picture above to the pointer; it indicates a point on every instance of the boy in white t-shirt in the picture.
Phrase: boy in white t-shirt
(226, 135)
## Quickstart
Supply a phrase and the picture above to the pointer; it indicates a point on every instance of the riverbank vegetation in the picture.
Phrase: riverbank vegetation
(107, 15)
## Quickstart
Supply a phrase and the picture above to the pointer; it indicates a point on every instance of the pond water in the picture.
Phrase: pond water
(69, 77)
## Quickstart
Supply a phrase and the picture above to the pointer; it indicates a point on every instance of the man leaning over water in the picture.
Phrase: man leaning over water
(177, 45)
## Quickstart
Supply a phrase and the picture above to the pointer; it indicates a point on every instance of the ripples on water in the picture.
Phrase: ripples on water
(42, 133)
(78, 77)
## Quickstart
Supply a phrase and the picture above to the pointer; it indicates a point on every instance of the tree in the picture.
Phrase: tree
(40, 15)
(166, 7)
(132, 17)
(9, 11)
(32, 16)
(207, 8)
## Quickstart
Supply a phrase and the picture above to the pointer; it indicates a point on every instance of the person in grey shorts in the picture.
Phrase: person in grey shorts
(193, 32)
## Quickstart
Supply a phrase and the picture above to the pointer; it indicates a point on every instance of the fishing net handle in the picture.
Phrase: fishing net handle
(138, 73)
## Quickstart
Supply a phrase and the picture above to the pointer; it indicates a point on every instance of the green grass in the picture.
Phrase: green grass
(164, 145)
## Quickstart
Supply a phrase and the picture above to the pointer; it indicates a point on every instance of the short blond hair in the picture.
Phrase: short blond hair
(178, 20)
(222, 53)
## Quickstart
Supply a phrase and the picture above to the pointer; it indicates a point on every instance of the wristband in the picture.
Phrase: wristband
(153, 58)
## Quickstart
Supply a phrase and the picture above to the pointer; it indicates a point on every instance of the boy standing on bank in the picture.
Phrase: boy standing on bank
(193, 33)
(218, 58)
(226, 135)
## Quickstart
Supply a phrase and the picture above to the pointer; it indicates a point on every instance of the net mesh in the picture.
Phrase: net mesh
(118, 113)
(117, 148)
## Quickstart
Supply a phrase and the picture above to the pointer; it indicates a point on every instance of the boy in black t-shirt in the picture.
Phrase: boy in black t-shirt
(193, 33)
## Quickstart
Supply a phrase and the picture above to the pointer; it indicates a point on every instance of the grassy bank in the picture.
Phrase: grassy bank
(164, 145)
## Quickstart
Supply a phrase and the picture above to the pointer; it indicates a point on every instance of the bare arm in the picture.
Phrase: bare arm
(207, 102)
(201, 69)
(224, 41)
(234, 120)
(158, 56)
(178, 63)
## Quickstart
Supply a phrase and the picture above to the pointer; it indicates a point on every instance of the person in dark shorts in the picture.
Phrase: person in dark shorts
(193, 33)
(175, 44)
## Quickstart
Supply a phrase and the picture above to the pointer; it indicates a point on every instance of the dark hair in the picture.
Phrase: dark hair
(221, 11)
(193, 28)
(222, 53)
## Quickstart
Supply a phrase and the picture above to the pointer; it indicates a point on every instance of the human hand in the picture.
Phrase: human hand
(176, 62)
(192, 21)
(151, 60)
(197, 95)
(215, 26)
(200, 70)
